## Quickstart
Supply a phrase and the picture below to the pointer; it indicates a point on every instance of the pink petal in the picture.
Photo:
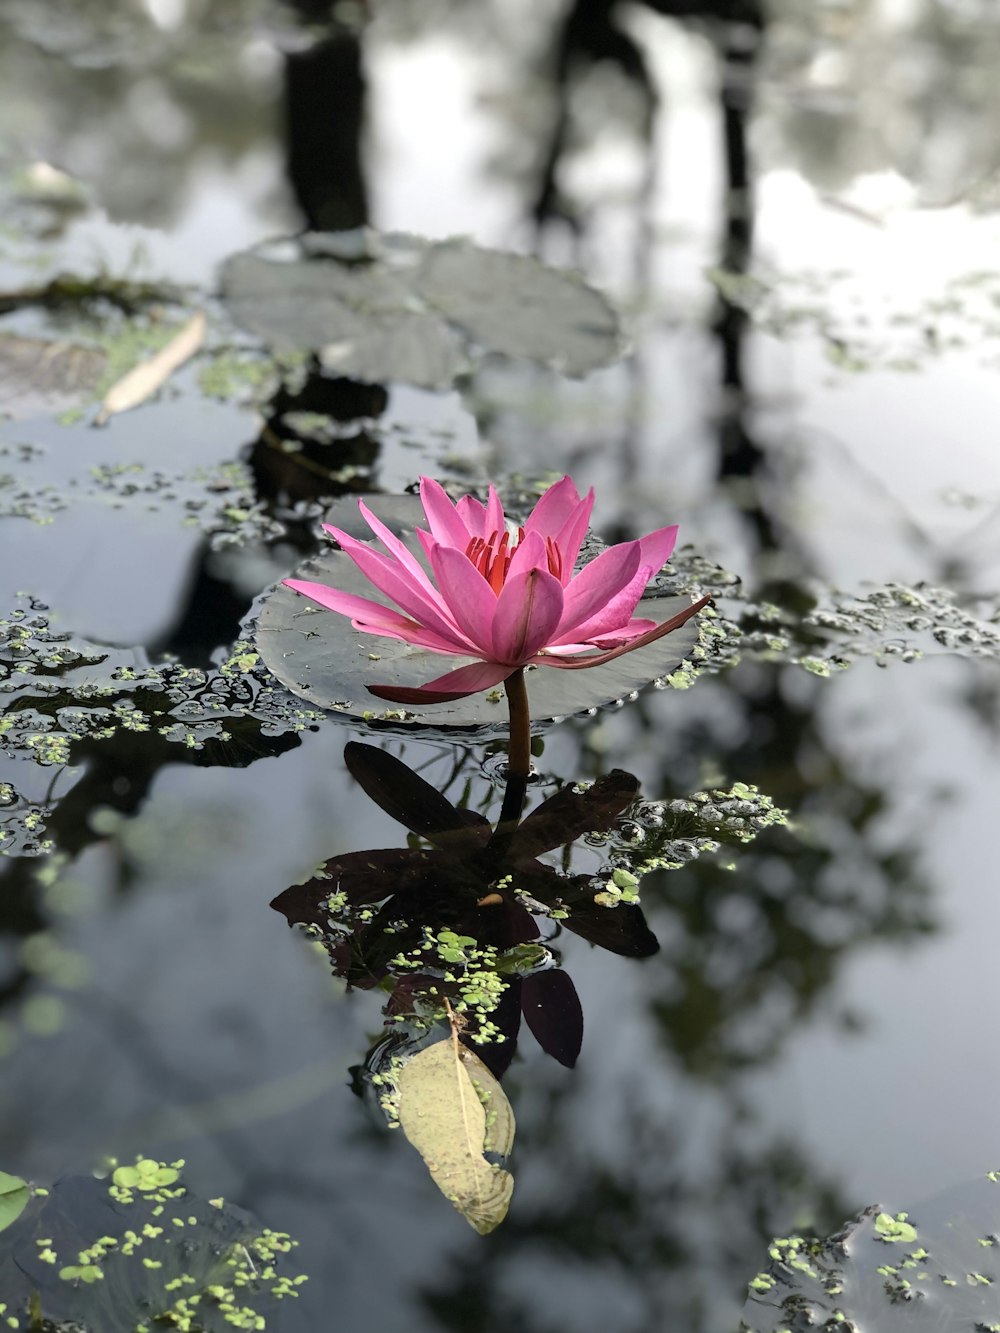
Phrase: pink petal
(598, 659)
(344, 603)
(471, 600)
(530, 554)
(658, 546)
(550, 513)
(654, 551)
(597, 586)
(473, 515)
(632, 630)
(417, 636)
(571, 534)
(452, 685)
(397, 548)
(563, 650)
(611, 620)
(428, 542)
(527, 613)
(372, 617)
(391, 579)
(444, 521)
(495, 519)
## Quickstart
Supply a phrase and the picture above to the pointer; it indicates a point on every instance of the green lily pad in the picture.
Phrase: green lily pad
(316, 653)
(380, 308)
(515, 305)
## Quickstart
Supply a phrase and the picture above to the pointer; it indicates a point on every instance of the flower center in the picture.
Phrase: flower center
(492, 556)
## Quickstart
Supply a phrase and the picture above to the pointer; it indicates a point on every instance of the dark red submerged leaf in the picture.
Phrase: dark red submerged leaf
(567, 815)
(497, 1055)
(398, 927)
(414, 803)
(408, 992)
(552, 1011)
(621, 930)
(363, 877)
(425, 886)
(502, 924)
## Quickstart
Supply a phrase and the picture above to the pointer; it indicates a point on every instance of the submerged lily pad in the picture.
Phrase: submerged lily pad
(116, 1257)
(395, 307)
(316, 653)
(935, 1268)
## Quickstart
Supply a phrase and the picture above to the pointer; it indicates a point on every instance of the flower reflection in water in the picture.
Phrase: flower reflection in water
(457, 920)
(451, 932)
(451, 929)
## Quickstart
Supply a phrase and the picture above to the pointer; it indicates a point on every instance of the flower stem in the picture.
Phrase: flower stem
(519, 749)
(518, 765)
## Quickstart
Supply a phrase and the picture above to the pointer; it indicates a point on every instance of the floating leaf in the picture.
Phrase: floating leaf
(39, 375)
(515, 305)
(895, 1230)
(14, 1196)
(144, 379)
(317, 654)
(396, 307)
(454, 1111)
(359, 322)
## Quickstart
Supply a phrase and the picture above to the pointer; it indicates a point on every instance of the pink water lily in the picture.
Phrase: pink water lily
(506, 596)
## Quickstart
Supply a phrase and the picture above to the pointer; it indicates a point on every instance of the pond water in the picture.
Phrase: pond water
(792, 215)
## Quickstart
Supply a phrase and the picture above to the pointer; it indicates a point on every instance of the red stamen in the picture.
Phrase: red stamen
(498, 573)
(481, 556)
(554, 557)
(492, 556)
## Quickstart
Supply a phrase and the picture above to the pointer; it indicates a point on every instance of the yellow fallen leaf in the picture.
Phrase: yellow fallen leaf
(143, 380)
(453, 1111)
